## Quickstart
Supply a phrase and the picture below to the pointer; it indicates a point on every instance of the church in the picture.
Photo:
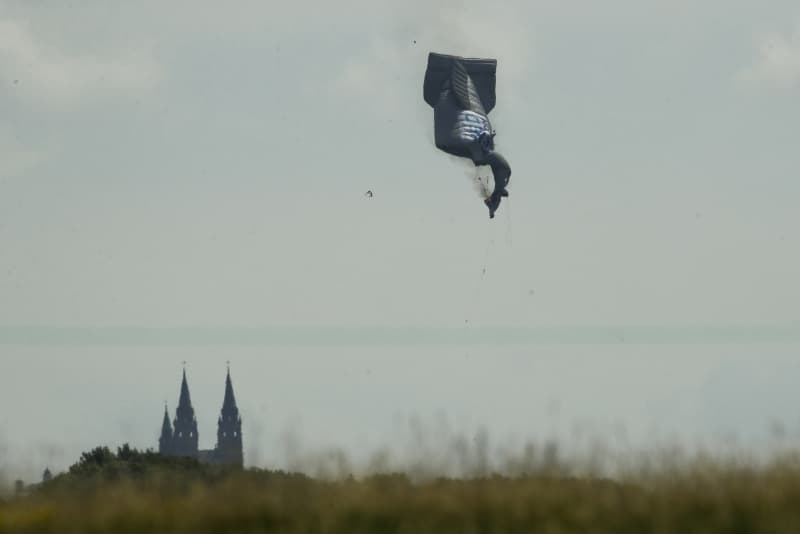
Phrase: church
(180, 438)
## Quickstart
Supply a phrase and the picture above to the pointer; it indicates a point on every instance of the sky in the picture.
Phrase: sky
(186, 182)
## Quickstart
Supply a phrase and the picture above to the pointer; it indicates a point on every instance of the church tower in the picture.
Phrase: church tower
(229, 429)
(184, 437)
(165, 441)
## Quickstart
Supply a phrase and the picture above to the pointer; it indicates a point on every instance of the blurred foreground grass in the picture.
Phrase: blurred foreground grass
(146, 493)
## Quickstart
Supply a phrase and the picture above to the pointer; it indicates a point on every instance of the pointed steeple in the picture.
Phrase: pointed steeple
(184, 437)
(229, 428)
(185, 400)
(229, 403)
(165, 441)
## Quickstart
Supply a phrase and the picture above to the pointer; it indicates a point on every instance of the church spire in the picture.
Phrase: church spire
(185, 428)
(229, 428)
(165, 441)
(185, 400)
(229, 402)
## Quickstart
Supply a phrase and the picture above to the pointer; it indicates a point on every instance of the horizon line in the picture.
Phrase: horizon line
(372, 335)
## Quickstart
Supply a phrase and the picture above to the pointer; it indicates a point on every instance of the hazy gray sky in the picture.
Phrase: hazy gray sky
(187, 165)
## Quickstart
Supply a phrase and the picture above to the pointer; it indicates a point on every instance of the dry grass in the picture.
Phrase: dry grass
(698, 497)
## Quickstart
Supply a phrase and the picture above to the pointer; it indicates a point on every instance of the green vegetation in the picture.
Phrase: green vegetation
(142, 492)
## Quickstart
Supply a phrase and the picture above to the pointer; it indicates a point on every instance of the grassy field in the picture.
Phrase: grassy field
(145, 494)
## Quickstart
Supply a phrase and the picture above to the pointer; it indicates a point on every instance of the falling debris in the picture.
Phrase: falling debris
(368, 194)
